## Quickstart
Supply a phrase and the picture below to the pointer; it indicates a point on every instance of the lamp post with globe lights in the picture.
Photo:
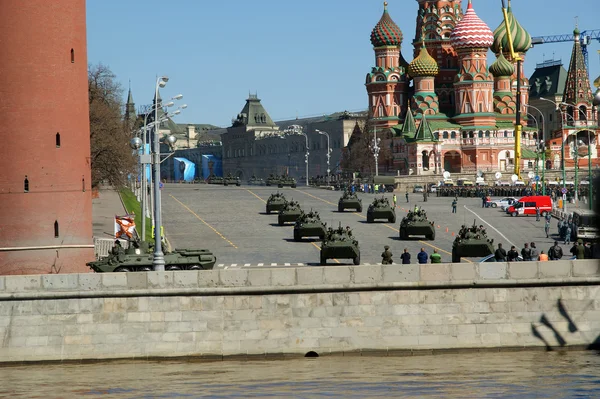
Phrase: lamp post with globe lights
(328, 154)
(596, 104)
(297, 129)
(541, 147)
(375, 148)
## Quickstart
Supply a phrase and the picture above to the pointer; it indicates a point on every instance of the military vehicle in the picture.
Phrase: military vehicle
(309, 225)
(416, 224)
(340, 244)
(213, 179)
(290, 212)
(381, 209)
(471, 242)
(255, 181)
(276, 202)
(349, 201)
(137, 258)
(273, 180)
(231, 180)
(287, 181)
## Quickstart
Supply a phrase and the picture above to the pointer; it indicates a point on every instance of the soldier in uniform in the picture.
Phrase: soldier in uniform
(386, 256)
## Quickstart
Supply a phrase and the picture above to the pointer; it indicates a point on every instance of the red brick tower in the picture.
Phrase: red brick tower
(45, 193)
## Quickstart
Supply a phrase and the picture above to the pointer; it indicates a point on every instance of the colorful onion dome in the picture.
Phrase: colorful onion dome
(597, 82)
(423, 65)
(521, 38)
(471, 32)
(502, 67)
(386, 32)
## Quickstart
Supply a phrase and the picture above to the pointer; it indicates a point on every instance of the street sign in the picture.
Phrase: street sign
(530, 175)
(537, 178)
(564, 197)
(564, 191)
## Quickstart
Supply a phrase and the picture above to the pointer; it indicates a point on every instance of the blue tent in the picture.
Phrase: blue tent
(210, 162)
(184, 169)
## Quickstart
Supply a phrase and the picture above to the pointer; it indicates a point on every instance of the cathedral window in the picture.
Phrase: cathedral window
(445, 135)
(487, 134)
(480, 134)
(56, 229)
(83, 184)
(57, 140)
(26, 184)
(453, 135)
(72, 56)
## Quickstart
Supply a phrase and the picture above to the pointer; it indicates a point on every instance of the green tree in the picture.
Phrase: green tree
(112, 158)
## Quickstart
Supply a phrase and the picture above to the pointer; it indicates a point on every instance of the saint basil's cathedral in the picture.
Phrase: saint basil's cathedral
(459, 114)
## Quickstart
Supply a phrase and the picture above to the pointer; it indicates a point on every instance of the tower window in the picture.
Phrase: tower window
(56, 229)
(83, 183)
(57, 140)
(26, 185)
(72, 56)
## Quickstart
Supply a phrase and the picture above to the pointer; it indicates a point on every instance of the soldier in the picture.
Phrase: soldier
(454, 203)
(386, 256)
(407, 196)
(394, 200)
(425, 195)
(117, 248)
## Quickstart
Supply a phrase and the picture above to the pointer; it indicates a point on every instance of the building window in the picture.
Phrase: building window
(453, 135)
(72, 56)
(56, 229)
(445, 135)
(506, 133)
(480, 135)
(57, 140)
(26, 185)
(83, 184)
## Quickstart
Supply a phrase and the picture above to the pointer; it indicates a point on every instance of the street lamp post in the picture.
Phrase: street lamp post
(328, 154)
(595, 103)
(537, 146)
(375, 148)
(297, 129)
(542, 147)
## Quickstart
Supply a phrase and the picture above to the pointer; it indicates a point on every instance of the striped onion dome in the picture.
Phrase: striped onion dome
(386, 32)
(521, 38)
(471, 31)
(502, 67)
(423, 65)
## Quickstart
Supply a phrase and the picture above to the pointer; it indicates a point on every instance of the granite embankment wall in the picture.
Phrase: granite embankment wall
(276, 312)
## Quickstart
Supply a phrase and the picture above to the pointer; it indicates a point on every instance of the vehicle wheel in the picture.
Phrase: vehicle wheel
(280, 185)
(359, 210)
(432, 236)
(238, 184)
(494, 205)
(544, 213)
(392, 219)
(172, 268)
(268, 211)
(369, 219)
(323, 260)
(340, 208)
(225, 184)
(322, 237)
(122, 269)
(455, 256)
(293, 186)
(195, 267)
(357, 260)
(280, 221)
(297, 235)
(144, 269)
(514, 214)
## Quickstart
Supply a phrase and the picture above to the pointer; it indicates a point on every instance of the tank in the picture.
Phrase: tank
(231, 180)
(255, 181)
(290, 212)
(349, 201)
(381, 209)
(212, 179)
(309, 225)
(138, 259)
(471, 242)
(417, 224)
(340, 244)
(272, 180)
(287, 181)
(276, 202)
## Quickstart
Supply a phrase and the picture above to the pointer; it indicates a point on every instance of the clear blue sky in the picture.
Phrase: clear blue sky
(302, 57)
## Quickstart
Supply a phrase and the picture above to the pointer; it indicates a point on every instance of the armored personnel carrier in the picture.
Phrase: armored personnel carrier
(349, 201)
(137, 259)
(255, 181)
(309, 225)
(276, 202)
(273, 180)
(231, 180)
(381, 209)
(287, 181)
(340, 244)
(417, 224)
(290, 212)
(471, 242)
(212, 179)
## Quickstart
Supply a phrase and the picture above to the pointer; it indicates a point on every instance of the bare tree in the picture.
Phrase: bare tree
(112, 158)
(358, 156)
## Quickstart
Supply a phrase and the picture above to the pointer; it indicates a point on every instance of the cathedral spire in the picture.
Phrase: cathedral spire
(577, 87)
(130, 114)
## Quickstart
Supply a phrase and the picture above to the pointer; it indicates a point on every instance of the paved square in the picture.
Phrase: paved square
(232, 223)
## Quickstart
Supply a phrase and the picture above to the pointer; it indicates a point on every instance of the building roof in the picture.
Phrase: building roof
(386, 32)
(521, 38)
(471, 31)
(548, 80)
(502, 67)
(577, 86)
(424, 64)
(424, 132)
(253, 115)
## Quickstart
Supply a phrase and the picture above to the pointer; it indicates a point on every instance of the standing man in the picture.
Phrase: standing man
(526, 252)
(534, 251)
(405, 257)
(407, 196)
(537, 213)
(500, 254)
(422, 256)
(454, 203)
(568, 233)
(394, 199)
(425, 195)
(580, 250)
(386, 256)
(555, 252)
(547, 226)
(513, 255)
(435, 257)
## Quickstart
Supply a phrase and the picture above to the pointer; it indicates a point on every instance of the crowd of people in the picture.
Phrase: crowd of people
(530, 252)
(422, 257)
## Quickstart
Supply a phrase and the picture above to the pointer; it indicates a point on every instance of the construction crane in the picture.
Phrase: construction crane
(585, 39)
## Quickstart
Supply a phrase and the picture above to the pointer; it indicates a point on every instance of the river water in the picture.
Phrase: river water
(470, 375)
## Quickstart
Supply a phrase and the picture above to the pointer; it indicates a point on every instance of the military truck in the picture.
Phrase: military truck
(272, 180)
(388, 182)
(340, 244)
(287, 181)
(137, 258)
(213, 179)
(275, 202)
(381, 209)
(231, 180)
(415, 223)
(290, 212)
(309, 225)
(349, 201)
(255, 181)
(471, 242)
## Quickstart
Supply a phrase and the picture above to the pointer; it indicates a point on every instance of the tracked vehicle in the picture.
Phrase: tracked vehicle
(212, 179)
(231, 180)
(255, 181)
(287, 181)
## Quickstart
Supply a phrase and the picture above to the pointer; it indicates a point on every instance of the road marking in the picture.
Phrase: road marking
(246, 264)
(495, 229)
(203, 221)
(256, 195)
(286, 264)
(261, 264)
(273, 264)
(221, 264)
(233, 264)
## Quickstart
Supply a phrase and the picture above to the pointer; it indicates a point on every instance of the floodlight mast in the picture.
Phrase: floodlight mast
(515, 57)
